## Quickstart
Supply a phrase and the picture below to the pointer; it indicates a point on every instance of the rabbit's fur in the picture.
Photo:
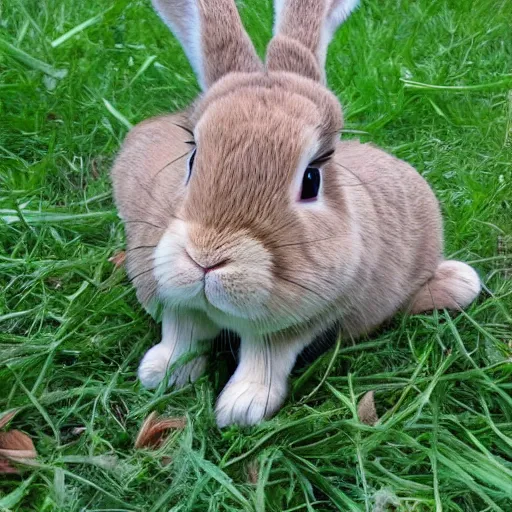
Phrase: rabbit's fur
(232, 246)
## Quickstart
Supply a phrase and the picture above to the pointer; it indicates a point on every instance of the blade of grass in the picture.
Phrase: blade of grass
(13, 498)
(76, 30)
(145, 65)
(32, 62)
(33, 217)
(504, 84)
(217, 474)
(122, 119)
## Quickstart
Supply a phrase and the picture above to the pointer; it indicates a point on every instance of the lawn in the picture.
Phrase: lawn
(429, 81)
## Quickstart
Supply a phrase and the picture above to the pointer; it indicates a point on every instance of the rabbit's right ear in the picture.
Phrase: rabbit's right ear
(303, 30)
(212, 35)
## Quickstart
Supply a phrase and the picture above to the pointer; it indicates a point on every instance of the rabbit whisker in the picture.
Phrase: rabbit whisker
(141, 247)
(132, 279)
(361, 182)
(153, 267)
(300, 285)
(143, 222)
(145, 189)
(170, 163)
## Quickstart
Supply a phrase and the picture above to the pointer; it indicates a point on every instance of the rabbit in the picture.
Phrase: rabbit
(247, 213)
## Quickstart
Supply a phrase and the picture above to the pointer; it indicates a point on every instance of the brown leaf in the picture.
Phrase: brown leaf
(153, 432)
(8, 416)
(17, 447)
(366, 410)
(118, 259)
(6, 468)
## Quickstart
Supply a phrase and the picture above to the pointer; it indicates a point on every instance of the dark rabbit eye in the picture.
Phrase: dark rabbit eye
(190, 163)
(310, 183)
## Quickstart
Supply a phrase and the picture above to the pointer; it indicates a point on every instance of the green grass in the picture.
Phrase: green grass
(429, 81)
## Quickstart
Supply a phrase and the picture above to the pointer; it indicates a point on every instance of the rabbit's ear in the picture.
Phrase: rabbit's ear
(212, 36)
(303, 30)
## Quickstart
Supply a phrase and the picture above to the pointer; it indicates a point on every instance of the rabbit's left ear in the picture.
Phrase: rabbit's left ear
(212, 36)
(303, 30)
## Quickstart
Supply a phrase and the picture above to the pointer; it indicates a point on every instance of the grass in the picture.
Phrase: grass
(429, 81)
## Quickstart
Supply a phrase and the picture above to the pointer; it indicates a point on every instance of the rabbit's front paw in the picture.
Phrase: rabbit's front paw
(247, 403)
(153, 368)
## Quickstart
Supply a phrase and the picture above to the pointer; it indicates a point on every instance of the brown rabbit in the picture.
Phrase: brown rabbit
(247, 213)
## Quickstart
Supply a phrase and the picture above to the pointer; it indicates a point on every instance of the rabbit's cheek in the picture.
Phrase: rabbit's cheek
(238, 292)
(179, 278)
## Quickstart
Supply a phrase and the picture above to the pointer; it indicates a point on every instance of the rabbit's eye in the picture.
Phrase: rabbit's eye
(190, 164)
(310, 184)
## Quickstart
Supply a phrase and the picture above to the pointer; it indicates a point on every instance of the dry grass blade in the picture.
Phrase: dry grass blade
(366, 411)
(154, 430)
(253, 472)
(118, 259)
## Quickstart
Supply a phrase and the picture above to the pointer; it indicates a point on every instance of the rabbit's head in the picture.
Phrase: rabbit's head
(257, 204)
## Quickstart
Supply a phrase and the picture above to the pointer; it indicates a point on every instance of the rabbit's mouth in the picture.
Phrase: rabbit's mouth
(231, 283)
(234, 279)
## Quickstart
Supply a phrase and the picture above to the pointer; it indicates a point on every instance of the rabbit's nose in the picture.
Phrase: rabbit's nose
(210, 266)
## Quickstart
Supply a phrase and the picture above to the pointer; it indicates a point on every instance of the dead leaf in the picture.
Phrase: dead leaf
(78, 431)
(152, 433)
(366, 410)
(118, 259)
(6, 468)
(8, 416)
(15, 446)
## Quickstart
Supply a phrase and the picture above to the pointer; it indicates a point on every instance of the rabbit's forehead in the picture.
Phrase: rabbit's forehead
(286, 105)
(276, 84)
(259, 107)
(247, 129)
(253, 137)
